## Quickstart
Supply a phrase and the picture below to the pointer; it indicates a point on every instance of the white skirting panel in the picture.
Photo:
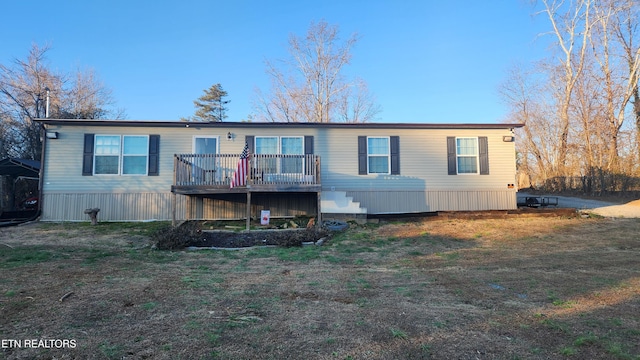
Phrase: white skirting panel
(389, 202)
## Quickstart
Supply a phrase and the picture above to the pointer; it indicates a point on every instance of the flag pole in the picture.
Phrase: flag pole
(249, 182)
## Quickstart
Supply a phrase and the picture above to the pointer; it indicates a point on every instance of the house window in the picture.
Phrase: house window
(205, 145)
(134, 155)
(378, 155)
(280, 145)
(107, 154)
(292, 146)
(467, 155)
(125, 155)
(266, 145)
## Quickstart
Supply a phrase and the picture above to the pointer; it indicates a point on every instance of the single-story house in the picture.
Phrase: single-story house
(161, 170)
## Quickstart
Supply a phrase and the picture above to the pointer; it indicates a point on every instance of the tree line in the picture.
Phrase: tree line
(581, 104)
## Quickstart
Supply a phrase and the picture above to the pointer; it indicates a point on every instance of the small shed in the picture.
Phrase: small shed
(19, 180)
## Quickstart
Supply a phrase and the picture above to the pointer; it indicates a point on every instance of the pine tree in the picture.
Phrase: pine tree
(211, 106)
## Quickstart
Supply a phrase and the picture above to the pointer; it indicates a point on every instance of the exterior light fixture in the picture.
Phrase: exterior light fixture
(229, 136)
(508, 138)
(52, 134)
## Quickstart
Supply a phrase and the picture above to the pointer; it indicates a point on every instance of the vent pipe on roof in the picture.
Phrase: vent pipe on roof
(46, 110)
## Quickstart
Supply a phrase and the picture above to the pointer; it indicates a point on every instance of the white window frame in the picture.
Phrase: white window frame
(476, 156)
(96, 155)
(217, 137)
(388, 156)
(279, 150)
(120, 155)
(145, 154)
(255, 143)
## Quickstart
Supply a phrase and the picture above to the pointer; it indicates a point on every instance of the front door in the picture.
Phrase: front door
(205, 162)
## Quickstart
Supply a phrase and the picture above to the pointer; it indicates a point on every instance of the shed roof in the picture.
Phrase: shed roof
(19, 167)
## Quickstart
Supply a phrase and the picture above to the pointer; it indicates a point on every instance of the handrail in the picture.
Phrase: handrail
(264, 169)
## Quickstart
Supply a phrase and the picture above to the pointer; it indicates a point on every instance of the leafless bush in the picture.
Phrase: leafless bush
(176, 238)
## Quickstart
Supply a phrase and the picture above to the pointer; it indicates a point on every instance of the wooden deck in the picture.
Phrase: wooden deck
(201, 174)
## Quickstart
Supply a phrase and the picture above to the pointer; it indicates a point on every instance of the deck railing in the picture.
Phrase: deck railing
(264, 169)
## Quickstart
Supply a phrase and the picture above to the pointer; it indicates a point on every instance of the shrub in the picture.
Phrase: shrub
(176, 238)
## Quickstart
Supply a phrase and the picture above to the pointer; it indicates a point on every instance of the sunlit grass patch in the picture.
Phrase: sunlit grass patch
(20, 256)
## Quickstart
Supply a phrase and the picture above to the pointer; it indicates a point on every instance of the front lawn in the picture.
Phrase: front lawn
(517, 288)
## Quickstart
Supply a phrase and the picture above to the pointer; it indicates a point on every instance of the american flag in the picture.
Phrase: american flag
(240, 175)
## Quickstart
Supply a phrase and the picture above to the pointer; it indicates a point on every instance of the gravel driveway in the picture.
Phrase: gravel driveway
(602, 208)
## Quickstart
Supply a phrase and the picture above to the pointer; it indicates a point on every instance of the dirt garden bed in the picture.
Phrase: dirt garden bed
(232, 239)
(206, 235)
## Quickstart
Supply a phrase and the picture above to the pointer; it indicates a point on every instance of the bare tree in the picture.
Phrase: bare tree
(25, 87)
(625, 29)
(357, 104)
(86, 97)
(588, 113)
(619, 78)
(571, 25)
(311, 87)
(576, 110)
(523, 91)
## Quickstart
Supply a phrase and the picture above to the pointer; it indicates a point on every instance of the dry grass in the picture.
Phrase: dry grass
(529, 288)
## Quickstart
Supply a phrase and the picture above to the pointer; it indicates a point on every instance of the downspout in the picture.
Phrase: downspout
(43, 136)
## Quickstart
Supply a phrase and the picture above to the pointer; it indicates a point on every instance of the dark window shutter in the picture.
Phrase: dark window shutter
(154, 155)
(250, 143)
(308, 150)
(87, 155)
(308, 145)
(395, 155)
(451, 155)
(483, 151)
(362, 155)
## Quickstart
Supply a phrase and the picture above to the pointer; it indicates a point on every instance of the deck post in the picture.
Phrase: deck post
(174, 197)
(173, 209)
(248, 210)
(319, 216)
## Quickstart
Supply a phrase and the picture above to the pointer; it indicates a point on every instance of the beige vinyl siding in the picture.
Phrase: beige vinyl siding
(139, 198)
(422, 185)
(63, 171)
(423, 158)
(423, 161)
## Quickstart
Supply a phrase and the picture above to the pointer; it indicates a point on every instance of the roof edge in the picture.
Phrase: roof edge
(176, 124)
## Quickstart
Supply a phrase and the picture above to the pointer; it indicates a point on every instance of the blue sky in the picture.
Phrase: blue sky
(424, 60)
